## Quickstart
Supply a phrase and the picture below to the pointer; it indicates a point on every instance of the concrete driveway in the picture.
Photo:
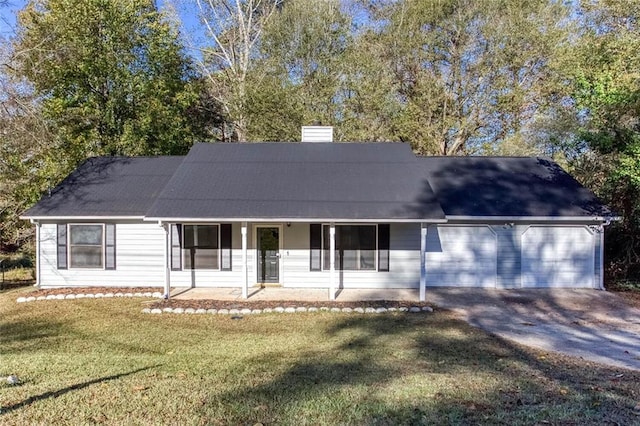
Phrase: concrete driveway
(595, 325)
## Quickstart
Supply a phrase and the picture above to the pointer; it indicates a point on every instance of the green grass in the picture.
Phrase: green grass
(103, 361)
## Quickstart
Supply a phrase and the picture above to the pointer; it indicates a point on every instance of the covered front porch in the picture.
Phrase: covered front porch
(293, 294)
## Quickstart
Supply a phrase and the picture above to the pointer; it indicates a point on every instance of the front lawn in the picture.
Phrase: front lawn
(103, 361)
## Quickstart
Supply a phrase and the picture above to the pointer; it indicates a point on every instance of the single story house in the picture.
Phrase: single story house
(319, 215)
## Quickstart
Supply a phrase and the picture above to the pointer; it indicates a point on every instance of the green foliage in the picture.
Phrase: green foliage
(605, 75)
(112, 76)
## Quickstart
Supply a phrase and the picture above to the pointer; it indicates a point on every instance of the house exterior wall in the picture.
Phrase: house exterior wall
(457, 255)
(139, 259)
(404, 261)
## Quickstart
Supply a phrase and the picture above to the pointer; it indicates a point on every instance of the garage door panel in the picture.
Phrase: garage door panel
(558, 257)
(461, 256)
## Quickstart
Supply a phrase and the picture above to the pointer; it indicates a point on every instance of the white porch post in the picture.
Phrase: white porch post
(245, 278)
(167, 260)
(423, 265)
(38, 256)
(332, 262)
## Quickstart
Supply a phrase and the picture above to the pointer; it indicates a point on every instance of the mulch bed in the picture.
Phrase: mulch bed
(95, 290)
(262, 304)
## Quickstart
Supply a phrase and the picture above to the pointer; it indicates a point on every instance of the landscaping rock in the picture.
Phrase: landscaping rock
(128, 295)
(301, 309)
(69, 296)
(167, 310)
(427, 309)
(256, 311)
(108, 295)
(403, 309)
(369, 310)
(347, 310)
(312, 309)
(21, 299)
(147, 294)
(59, 296)
(156, 311)
(118, 294)
(201, 311)
(44, 298)
(324, 309)
(137, 294)
(414, 309)
(359, 310)
(223, 311)
(178, 310)
(392, 309)
(156, 294)
(335, 310)
(245, 311)
(51, 296)
(189, 311)
(212, 311)
(89, 296)
(80, 296)
(381, 310)
(279, 309)
(290, 310)
(267, 310)
(234, 311)
(99, 295)
(146, 311)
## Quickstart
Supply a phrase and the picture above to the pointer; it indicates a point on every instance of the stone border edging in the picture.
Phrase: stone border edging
(280, 309)
(155, 294)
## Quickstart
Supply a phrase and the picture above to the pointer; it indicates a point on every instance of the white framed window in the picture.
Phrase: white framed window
(86, 246)
(356, 247)
(201, 246)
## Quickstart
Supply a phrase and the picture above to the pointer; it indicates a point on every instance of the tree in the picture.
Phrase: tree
(234, 28)
(298, 74)
(112, 77)
(604, 72)
(464, 73)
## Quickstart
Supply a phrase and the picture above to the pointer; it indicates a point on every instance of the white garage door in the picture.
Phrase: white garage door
(461, 256)
(558, 257)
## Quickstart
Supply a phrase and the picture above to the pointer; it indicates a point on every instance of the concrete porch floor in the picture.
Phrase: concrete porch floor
(297, 294)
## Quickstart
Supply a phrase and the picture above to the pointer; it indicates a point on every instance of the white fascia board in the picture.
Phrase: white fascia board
(561, 219)
(292, 220)
(54, 218)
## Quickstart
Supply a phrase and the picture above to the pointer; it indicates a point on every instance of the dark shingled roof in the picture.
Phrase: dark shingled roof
(108, 186)
(298, 181)
(509, 186)
(321, 181)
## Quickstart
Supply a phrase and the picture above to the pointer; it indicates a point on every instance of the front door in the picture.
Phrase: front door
(268, 244)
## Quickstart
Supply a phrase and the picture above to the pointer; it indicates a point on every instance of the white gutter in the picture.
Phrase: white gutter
(560, 219)
(54, 218)
(293, 220)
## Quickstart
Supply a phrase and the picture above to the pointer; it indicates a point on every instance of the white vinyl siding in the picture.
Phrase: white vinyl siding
(139, 259)
(461, 256)
(220, 278)
(558, 256)
(404, 261)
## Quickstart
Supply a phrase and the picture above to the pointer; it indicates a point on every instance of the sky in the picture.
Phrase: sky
(185, 9)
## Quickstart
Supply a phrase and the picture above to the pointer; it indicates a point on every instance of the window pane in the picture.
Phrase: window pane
(189, 240)
(207, 236)
(86, 234)
(86, 257)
